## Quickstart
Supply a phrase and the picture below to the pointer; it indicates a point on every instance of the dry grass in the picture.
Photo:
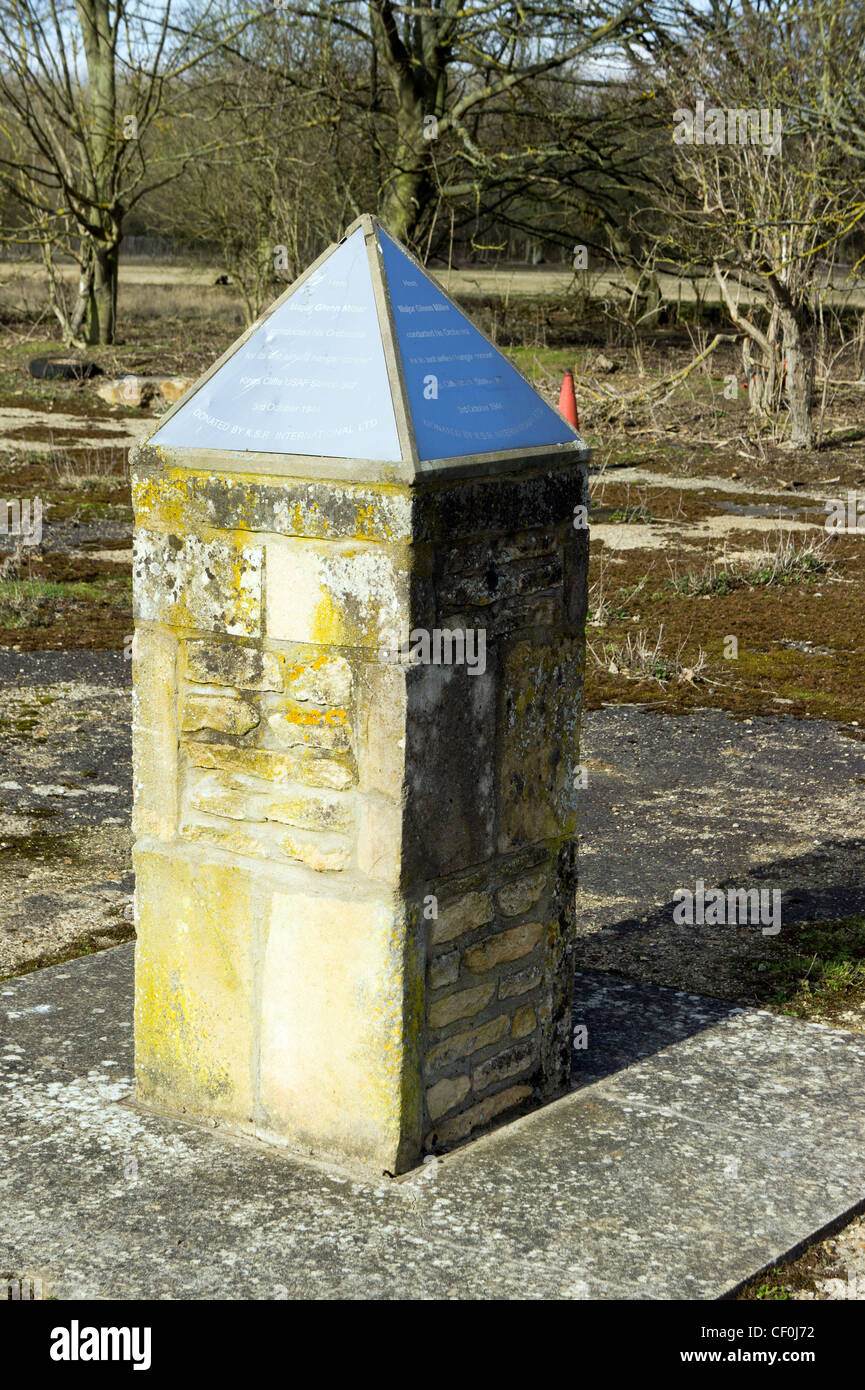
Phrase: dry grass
(28, 602)
(638, 658)
(786, 561)
(90, 472)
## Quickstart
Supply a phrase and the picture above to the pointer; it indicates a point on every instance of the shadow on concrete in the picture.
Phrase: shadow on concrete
(628, 1020)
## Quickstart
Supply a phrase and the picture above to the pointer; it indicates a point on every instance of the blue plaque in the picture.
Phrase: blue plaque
(464, 396)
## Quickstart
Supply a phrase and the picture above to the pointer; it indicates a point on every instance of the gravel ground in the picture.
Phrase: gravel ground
(65, 802)
(771, 803)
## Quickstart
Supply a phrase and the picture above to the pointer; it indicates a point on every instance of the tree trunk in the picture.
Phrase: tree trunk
(102, 305)
(771, 394)
(407, 187)
(755, 376)
(644, 306)
(416, 61)
(798, 380)
(760, 357)
(82, 303)
(99, 37)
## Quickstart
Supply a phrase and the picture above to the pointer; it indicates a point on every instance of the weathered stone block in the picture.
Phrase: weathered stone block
(217, 712)
(323, 853)
(444, 1095)
(500, 582)
(154, 733)
(516, 898)
(525, 1022)
(464, 1004)
(504, 947)
(381, 718)
(504, 1066)
(301, 726)
(450, 813)
(325, 772)
(443, 970)
(460, 1126)
(213, 797)
(336, 594)
(189, 582)
(199, 499)
(248, 841)
(311, 811)
(243, 763)
(337, 1059)
(540, 751)
(460, 1045)
(379, 841)
(520, 982)
(464, 915)
(194, 1035)
(324, 680)
(475, 556)
(231, 663)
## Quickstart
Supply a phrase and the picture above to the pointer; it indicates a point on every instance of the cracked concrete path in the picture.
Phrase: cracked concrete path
(674, 1175)
(755, 802)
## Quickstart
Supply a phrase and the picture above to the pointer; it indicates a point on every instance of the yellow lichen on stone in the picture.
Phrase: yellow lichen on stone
(365, 523)
(328, 625)
(193, 984)
(333, 718)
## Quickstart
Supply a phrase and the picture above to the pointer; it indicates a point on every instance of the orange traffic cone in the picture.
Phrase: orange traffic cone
(568, 400)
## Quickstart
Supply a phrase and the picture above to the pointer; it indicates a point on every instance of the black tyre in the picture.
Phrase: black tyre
(63, 369)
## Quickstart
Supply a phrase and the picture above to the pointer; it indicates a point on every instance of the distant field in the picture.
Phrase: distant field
(138, 272)
(23, 285)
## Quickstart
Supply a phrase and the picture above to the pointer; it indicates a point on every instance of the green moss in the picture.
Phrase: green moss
(36, 602)
(39, 844)
(824, 974)
(639, 514)
(103, 940)
(788, 1277)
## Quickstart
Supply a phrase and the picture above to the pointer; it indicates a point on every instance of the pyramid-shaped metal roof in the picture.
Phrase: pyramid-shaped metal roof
(364, 358)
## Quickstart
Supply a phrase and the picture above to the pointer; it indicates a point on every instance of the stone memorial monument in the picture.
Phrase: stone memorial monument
(360, 591)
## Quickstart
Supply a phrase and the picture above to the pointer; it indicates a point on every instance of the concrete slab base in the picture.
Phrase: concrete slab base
(702, 1143)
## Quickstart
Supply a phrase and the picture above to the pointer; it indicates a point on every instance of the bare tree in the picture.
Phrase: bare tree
(762, 189)
(84, 88)
(436, 83)
(288, 167)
